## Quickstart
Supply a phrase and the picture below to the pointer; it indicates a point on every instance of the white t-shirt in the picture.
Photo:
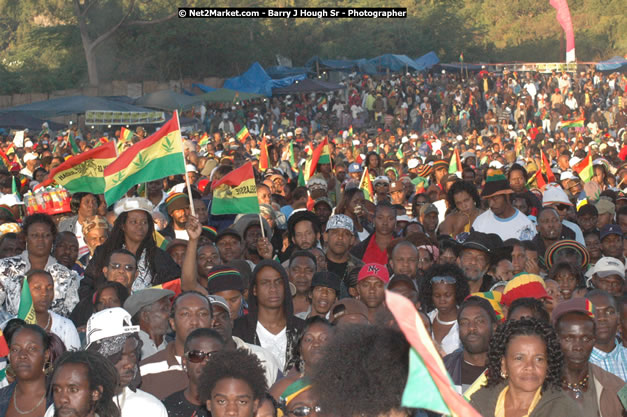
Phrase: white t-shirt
(181, 234)
(451, 342)
(65, 329)
(273, 343)
(133, 404)
(518, 226)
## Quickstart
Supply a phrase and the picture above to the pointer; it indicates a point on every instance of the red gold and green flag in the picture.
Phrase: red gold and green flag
(366, 185)
(84, 172)
(236, 192)
(321, 155)
(4, 160)
(243, 134)
(456, 163)
(573, 123)
(125, 135)
(26, 309)
(350, 131)
(292, 156)
(174, 285)
(72, 140)
(428, 384)
(204, 140)
(153, 158)
(585, 169)
(321, 102)
(547, 168)
(160, 240)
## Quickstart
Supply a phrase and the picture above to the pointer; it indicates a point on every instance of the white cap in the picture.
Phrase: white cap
(133, 203)
(566, 175)
(370, 144)
(290, 134)
(413, 136)
(404, 139)
(28, 144)
(356, 142)
(108, 323)
(459, 138)
(191, 168)
(554, 194)
(574, 161)
(412, 163)
(607, 266)
(496, 165)
(30, 157)
(382, 178)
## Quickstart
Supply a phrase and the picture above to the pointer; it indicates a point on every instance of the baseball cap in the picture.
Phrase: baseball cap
(428, 209)
(348, 307)
(396, 186)
(340, 221)
(145, 297)
(30, 157)
(132, 204)
(607, 266)
(325, 200)
(554, 194)
(219, 301)
(374, 270)
(610, 229)
(574, 305)
(326, 279)
(354, 167)
(381, 179)
(412, 163)
(108, 323)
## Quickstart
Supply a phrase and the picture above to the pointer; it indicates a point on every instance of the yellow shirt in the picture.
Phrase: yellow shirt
(500, 403)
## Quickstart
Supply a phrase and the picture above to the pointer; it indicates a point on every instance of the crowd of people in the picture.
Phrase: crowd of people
(492, 202)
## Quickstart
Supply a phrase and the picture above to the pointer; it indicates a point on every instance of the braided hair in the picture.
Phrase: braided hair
(526, 327)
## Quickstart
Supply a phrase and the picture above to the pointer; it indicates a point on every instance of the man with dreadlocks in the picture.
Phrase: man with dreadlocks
(110, 333)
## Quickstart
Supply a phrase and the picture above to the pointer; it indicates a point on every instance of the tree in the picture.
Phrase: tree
(91, 42)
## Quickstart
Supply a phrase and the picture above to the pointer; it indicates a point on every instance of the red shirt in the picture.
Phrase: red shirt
(374, 254)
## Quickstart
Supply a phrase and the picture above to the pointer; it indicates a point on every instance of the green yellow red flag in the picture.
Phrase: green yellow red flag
(584, 169)
(264, 161)
(243, 134)
(153, 158)
(366, 185)
(236, 192)
(26, 309)
(83, 172)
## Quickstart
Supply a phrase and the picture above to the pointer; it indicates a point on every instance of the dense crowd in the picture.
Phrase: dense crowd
(493, 202)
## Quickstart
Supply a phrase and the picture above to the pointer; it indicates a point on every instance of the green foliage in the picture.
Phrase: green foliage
(41, 48)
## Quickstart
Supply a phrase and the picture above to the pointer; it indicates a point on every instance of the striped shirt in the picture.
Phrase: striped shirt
(614, 362)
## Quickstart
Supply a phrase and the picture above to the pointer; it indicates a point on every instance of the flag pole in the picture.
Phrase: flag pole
(263, 233)
(189, 187)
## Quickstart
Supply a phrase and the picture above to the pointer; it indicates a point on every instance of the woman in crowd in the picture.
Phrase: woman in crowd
(465, 206)
(41, 288)
(443, 289)
(40, 231)
(307, 351)
(29, 358)
(111, 294)
(568, 277)
(133, 230)
(84, 206)
(524, 373)
(352, 204)
(96, 232)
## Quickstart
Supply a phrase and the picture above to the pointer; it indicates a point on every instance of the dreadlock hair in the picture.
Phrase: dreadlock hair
(526, 327)
(426, 287)
(236, 364)
(537, 308)
(101, 374)
(116, 241)
(352, 367)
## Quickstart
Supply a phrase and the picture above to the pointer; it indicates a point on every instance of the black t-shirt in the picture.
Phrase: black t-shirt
(470, 373)
(178, 406)
(337, 269)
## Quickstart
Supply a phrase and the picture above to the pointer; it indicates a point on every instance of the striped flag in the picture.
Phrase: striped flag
(160, 240)
(243, 134)
(125, 135)
(26, 310)
(153, 158)
(547, 168)
(584, 169)
(204, 140)
(72, 140)
(83, 172)
(322, 101)
(236, 192)
(456, 163)
(174, 285)
(264, 160)
(292, 156)
(428, 384)
(366, 185)
(321, 155)
(573, 123)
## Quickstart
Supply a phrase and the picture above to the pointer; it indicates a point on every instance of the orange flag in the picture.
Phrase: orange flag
(547, 168)
(264, 162)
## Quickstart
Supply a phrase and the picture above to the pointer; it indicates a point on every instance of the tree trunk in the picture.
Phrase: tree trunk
(92, 66)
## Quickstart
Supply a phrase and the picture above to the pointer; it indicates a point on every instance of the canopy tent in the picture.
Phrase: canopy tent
(308, 86)
(256, 80)
(617, 63)
(22, 121)
(225, 95)
(427, 61)
(168, 100)
(204, 88)
(459, 67)
(281, 71)
(394, 63)
(64, 106)
(345, 65)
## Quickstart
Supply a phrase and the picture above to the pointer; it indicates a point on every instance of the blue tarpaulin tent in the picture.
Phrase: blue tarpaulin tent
(394, 63)
(308, 86)
(426, 61)
(256, 80)
(346, 65)
(282, 72)
(617, 63)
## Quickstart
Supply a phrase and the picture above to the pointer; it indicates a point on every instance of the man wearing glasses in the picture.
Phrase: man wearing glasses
(110, 333)
(554, 196)
(122, 268)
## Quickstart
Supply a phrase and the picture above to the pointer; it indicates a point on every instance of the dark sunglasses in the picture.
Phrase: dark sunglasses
(562, 207)
(127, 267)
(198, 356)
(443, 280)
(304, 411)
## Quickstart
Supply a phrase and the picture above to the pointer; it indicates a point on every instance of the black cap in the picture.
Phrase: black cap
(228, 232)
(326, 279)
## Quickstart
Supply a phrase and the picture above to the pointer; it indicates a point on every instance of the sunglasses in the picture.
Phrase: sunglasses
(127, 267)
(443, 280)
(304, 411)
(562, 207)
(198, 356)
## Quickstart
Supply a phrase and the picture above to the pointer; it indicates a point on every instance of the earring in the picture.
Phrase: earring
(503, 375)
(48, 368)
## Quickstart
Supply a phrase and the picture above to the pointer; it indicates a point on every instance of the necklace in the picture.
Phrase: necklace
(444, 323)
(48, 322)
(29, 411)
(578, 387)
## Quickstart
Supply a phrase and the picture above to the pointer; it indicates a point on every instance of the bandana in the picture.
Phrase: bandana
(292, 391)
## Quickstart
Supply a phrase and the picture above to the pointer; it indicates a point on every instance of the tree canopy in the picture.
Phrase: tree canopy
(43, 47)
